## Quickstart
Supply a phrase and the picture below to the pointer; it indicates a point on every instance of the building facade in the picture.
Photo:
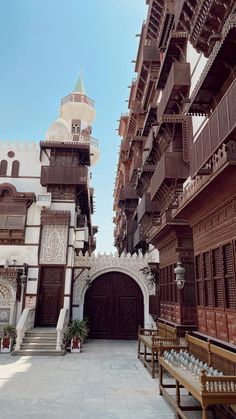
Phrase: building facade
(46, 206)
(174, 187)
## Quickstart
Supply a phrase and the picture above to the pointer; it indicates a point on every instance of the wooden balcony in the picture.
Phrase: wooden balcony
(176, 43)
(138, 236)
(184, 13)
(170, 167)
(148, 145)
(128, 197)
(60, 175)
(177, 87)
(135, 166)
(146, 207)
(220, 128)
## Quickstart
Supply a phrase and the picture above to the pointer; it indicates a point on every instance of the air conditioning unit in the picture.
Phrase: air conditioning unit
(44, 200)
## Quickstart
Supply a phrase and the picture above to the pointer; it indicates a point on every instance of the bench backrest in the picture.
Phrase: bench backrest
(223, 360)
(215, 356)
(161, 327)
(199, 348)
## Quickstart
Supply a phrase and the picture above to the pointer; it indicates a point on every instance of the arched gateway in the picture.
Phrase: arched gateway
(114, 307)
(117, 300)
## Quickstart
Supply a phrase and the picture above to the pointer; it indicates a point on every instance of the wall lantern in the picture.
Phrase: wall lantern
(179, 271)
(23, 278)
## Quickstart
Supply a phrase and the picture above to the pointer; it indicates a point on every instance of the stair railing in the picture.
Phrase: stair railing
(25, 324)
(62, 324)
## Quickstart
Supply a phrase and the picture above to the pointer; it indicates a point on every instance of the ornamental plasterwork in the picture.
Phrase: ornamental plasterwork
(54, 244)
(7, 292)
(130, 265)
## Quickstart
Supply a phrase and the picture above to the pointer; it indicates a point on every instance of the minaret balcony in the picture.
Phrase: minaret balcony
(59, 175)
(78, 97)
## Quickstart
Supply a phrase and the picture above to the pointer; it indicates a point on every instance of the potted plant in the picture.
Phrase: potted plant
(9, 335)
(77, 333)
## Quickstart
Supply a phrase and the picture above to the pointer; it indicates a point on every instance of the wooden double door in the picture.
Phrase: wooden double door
(50, 295)
(114, 307)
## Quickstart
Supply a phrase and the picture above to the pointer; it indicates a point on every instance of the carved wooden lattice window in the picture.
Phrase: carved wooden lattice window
(217, 277)
(229, 274)
(3, 168)
(199, 281)
(207, 280)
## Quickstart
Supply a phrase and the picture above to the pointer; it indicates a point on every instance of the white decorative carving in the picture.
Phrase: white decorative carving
(131, 265)
(7, 300)
(54, 244)
(5, 296)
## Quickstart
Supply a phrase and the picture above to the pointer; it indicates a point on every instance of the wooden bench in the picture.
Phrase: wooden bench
(149, 341)
(208, 390)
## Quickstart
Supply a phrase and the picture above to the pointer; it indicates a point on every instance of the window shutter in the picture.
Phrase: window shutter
(229, 274)
(217, 276)
(207, 278)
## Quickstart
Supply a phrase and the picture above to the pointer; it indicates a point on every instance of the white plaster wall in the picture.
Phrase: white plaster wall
(68, 281)
(22, 254)
(66, 302)
(28, 155)
(71, 236)
(32, 235)
(32, 285)
(70, 256)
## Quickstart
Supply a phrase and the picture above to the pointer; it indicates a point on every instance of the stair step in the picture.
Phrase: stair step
(39, 339)
(29, 352)
(38, 346)
(41, 334)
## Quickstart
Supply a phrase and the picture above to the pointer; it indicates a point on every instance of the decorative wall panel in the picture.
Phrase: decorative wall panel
(53, 247)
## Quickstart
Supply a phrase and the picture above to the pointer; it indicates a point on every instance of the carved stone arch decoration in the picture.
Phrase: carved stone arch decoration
(98, 265)
(7, 301)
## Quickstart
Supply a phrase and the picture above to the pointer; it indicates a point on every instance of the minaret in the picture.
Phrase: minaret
(71, 150)
(78, 111)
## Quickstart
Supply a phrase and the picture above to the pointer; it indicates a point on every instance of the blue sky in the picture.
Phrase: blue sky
(43, 43)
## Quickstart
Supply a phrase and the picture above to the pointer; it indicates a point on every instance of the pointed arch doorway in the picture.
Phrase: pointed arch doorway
(114, 307)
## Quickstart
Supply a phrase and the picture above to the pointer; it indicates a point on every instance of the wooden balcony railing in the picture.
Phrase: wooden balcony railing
(220, 128)
(59, 175)
(177, 85)
(170, 166)
(146, 206)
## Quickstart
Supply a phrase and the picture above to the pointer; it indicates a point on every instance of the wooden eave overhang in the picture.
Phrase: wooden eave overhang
(174, 51)
(207, 23)
(220, 65)
(166, 226)
(55, 217)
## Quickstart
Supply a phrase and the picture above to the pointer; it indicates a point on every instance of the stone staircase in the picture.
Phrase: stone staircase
(39, 341)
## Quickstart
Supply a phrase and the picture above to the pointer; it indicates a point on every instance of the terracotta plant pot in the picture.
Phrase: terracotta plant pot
(75, 345)
(6, 344)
